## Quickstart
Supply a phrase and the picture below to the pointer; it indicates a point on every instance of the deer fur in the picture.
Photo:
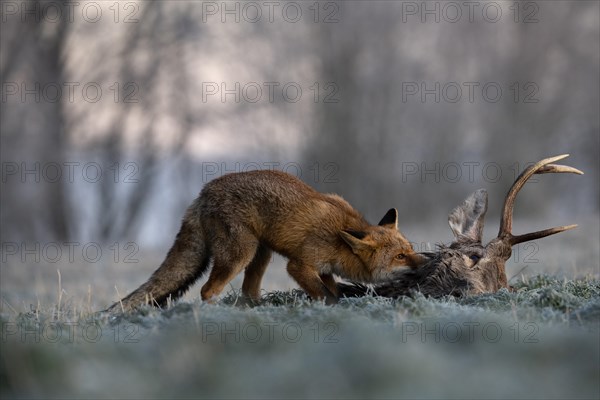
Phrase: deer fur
(466, 266)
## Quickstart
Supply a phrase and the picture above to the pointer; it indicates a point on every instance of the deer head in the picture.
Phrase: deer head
(467, 266)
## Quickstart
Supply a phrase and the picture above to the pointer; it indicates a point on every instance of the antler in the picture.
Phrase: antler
(541, 167)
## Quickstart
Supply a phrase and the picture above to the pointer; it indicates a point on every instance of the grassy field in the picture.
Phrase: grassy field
(539, 342)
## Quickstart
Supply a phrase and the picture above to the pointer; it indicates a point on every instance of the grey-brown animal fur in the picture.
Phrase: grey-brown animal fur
(466, 266)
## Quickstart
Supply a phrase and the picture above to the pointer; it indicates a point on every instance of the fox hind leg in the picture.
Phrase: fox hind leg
(255, 271)
(232, 253)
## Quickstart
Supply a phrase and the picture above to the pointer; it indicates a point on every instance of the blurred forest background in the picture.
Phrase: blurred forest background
(114, 114)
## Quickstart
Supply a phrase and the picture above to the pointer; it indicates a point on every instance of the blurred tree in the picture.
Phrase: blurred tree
(368, 135)
(33, 130)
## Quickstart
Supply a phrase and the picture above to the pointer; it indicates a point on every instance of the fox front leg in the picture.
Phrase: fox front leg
(330, 283)
(309, 280)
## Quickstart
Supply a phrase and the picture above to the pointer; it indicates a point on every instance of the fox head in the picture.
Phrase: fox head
(382, 248)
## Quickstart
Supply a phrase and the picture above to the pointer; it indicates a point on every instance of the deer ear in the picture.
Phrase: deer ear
(390, 219)
(466, 220)
(355, 240)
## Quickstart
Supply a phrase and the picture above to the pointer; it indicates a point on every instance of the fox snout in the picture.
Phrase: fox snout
(415, 259)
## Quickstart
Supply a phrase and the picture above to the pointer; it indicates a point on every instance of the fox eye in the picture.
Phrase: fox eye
(400, 257)
(474, 257)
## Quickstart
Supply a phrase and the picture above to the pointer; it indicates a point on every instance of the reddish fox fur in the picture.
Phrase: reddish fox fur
(240, 218)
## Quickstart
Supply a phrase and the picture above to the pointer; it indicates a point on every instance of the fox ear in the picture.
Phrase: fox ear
(390, 219)
(466, 220)
(355, 239)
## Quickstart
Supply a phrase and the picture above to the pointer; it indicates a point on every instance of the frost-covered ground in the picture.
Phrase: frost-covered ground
(539, 342)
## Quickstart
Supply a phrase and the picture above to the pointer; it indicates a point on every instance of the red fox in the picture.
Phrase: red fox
(240, 218)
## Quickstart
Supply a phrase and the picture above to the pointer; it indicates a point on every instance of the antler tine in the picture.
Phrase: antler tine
(558, 169)
(544, 166)
(539, 234)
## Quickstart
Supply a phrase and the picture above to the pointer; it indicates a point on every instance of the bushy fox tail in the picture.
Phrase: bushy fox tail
(186, 261)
